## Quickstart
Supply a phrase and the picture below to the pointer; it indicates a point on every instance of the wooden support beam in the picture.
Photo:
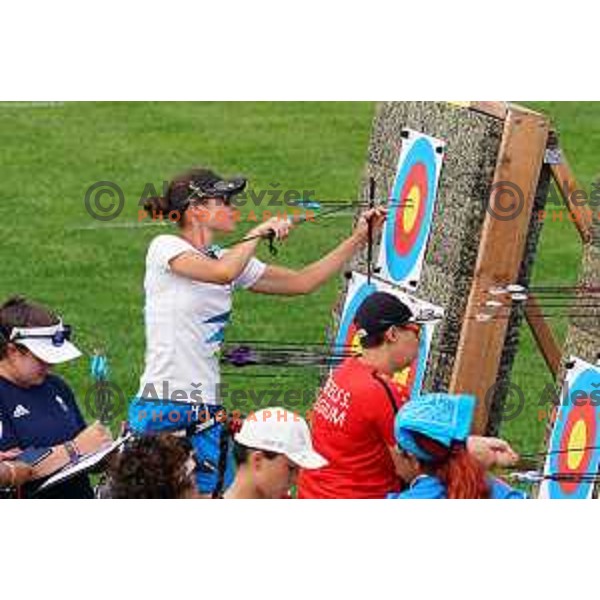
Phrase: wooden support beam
(498, 110)
(567, 184)
(501, 251)
(546, 342)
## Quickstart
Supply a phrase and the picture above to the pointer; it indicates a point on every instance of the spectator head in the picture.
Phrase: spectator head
(272, 445)
(32, 338)
(155, 466)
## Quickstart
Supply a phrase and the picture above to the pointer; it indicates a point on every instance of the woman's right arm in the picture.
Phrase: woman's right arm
(233, 262)
(223, 271)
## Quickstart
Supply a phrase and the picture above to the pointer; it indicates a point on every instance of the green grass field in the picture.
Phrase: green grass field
(54, 252)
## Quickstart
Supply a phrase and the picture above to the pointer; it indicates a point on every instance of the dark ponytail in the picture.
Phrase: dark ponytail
(157, 207)
(177, 199)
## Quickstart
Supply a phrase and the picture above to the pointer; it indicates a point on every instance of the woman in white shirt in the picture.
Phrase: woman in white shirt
(188, 286)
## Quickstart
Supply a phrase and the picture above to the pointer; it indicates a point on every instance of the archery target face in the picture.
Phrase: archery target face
(413, 197)
(347, 338)
(573, 448)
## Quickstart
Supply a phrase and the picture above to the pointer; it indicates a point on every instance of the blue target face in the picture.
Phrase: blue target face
(409, 220)
(575, 439)
(347, 330)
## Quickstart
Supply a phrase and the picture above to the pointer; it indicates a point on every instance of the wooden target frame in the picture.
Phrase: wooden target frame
(501, 253)
(528, 156)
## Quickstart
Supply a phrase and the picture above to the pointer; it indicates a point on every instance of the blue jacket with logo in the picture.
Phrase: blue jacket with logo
(42, 416)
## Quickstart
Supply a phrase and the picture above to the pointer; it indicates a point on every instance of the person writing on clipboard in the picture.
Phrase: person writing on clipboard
(38, 412)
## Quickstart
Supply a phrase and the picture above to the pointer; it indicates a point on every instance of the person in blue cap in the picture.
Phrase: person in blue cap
(431, 434)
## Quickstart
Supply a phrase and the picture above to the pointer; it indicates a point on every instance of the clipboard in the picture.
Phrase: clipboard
(84, 464)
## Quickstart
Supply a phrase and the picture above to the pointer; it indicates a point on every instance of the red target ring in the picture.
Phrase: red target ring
(349, 341)
(348, 329)
(413, 197)
(579, 432)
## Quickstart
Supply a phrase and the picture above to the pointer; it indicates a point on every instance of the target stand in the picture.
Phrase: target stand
(465, 183)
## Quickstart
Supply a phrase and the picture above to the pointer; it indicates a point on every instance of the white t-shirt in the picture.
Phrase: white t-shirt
(185, 325)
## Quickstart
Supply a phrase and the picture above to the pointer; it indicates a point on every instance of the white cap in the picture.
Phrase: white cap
(46, 343)
(283, 432)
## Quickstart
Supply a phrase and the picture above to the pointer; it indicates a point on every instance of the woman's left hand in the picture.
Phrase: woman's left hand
(376, 217)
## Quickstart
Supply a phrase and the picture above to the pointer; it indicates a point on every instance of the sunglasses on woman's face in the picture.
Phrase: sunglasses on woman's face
(221, 201)
(220, 190)
(58, 338)
(414, 327)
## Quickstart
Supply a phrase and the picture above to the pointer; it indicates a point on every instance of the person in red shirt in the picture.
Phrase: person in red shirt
(353, 417)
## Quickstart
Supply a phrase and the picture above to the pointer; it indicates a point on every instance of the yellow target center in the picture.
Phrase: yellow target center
(356, 346)
(411, 208)
(577, 441)
(401, 377)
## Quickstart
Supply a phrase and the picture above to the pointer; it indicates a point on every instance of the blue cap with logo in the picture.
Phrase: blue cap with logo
(444, 418)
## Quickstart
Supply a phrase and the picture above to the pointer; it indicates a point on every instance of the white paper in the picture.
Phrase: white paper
(85, 463)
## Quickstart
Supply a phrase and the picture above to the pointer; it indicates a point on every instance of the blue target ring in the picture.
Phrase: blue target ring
(341, 340)
(421, 153)
(421, 364)
(567, 418)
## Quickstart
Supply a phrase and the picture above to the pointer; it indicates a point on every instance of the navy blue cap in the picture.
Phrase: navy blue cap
(380, 311)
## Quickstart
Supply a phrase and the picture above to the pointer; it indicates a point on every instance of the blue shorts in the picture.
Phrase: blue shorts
(211, 440)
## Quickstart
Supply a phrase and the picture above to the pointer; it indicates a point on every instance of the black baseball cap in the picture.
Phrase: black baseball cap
(206, 184)
(380, 311)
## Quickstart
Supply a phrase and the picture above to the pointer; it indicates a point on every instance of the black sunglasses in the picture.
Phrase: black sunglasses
(221, 190)
(58, 338)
